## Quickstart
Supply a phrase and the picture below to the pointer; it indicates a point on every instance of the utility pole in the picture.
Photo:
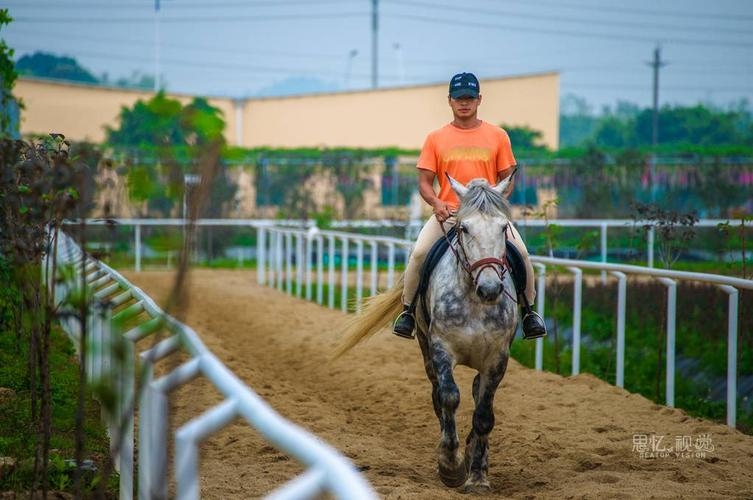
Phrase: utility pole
(374, 44)
(156, 46)
(656, 64)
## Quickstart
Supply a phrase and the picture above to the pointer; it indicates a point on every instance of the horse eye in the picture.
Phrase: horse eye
(464, 228)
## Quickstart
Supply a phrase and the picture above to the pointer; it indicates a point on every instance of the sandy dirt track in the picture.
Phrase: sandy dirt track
(555, 437)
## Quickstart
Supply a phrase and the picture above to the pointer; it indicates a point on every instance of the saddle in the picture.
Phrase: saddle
(512, 256)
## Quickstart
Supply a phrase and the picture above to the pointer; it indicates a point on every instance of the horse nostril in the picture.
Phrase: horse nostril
(489, 292)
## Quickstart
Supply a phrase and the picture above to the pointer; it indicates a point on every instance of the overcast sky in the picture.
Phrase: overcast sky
(260, 47)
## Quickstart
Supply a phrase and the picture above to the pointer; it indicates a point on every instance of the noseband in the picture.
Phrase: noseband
(499, 266)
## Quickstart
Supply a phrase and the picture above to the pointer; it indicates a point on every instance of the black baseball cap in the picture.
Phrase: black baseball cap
(464, 84)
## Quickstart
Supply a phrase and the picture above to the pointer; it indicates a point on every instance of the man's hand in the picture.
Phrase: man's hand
(441, 210)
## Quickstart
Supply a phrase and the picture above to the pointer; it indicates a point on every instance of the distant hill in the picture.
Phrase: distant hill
(298, 85)
(46, 65)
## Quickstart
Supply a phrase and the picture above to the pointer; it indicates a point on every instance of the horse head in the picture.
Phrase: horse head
(482, 222)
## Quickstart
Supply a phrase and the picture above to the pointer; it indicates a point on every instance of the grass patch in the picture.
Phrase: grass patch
(701, 344)
(18, 435)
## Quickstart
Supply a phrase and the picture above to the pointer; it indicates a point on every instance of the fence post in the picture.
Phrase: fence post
(621, 307)
(280, 258)
(390, 264)
(331, 272)
(319, 269)
(300, 265)
(288, 263)
(307, 267)
(540, 302)
(137, 243)
(344, 276)
(577, 300)
(261, 255)
(374, 267)
(671, 329)
(731, 354)
(359, 274)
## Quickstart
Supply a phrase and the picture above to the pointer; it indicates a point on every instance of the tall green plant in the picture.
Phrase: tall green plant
(41, 184)
(8, 77)
(551, 233)
(673, 230)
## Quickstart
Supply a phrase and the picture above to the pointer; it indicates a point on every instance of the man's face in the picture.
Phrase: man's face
(464, 107)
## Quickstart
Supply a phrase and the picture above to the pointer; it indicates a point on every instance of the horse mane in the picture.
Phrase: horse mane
(481, 198)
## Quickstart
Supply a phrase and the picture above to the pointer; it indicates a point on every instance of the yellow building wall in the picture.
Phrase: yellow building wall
(81, 112)
(376, 118)
(397, 117)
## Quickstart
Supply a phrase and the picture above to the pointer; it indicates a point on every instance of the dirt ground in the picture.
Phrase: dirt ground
(555, 437)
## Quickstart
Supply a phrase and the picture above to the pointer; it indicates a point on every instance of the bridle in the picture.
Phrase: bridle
(499, 266)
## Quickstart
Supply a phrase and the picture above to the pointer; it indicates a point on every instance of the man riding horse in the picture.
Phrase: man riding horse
(467, 148)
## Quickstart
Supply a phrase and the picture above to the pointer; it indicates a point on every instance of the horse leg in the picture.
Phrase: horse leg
(477, 444)
(423, 342)
(452, 470)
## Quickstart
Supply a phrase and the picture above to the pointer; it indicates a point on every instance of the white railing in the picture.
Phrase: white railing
(282, 244)
(327, 471)
(277, 247)
(603, 225)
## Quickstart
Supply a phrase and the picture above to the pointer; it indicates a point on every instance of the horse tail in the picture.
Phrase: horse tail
(377, 313)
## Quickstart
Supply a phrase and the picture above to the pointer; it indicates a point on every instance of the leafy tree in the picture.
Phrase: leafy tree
(613, 133)
(159, 141)
(628, 126)
(577, 121)
(8, 77)
(136, 80)
(47, 65)
(524, 138)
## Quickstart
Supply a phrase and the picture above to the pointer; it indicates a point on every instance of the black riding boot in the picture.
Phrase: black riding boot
(404, 324)
(534, 326)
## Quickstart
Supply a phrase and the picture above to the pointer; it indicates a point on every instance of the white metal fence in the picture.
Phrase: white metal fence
(278, 248)
(282, 245)
(113, 301)
(602, 225)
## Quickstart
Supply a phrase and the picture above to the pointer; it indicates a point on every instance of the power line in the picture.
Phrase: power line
(560, 19)
(177, 5)
(192, 20)
(579, 34)
(676, 88)
(144, 43)
(215, 64)
(638, 11)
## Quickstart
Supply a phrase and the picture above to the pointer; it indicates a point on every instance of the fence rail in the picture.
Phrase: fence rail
(412, 227)
(114, 300)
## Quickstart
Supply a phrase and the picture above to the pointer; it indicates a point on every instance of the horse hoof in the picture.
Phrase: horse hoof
(477, 488)
(452, 478)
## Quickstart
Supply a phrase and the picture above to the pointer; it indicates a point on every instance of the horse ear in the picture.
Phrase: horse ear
(459, 188)
(505, 183)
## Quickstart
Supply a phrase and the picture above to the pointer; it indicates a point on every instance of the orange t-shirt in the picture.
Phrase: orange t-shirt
(480, 152)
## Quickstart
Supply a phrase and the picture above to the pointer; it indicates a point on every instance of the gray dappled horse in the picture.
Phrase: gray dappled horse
(472, 321)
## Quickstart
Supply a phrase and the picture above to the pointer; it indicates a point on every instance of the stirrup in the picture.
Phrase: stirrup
(536, 325)
(404, 325)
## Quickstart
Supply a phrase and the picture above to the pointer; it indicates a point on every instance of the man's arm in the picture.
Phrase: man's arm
(426, 189)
